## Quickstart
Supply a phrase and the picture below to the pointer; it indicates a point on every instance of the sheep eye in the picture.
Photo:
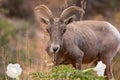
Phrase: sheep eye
(47, 29)
(64, 30)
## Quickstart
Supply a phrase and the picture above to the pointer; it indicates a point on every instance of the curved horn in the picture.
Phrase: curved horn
(70, 9)
(44, 9)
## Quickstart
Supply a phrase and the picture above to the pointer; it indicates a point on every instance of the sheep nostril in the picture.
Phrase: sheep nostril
(55, 49)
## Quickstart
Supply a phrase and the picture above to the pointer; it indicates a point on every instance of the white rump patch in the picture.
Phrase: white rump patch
(113, 29)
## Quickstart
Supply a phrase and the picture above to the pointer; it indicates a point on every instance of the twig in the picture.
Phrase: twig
(83, 6)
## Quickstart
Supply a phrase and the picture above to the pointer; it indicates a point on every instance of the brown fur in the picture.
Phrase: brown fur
(77, 42)
(87, 41)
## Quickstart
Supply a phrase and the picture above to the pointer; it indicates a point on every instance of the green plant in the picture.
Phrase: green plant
(63, 72)
(7, 32)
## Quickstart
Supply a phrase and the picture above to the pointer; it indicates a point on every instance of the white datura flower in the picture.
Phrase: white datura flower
(100, 68)
(14, 70)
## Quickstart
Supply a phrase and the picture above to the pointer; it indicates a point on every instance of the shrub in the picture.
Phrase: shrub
(66, 73)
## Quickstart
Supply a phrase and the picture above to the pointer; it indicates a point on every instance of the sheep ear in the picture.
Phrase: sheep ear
(70, 19)
(43, 13)
(44, 20)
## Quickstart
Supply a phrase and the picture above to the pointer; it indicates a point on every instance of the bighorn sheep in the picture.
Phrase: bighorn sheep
(76, 42)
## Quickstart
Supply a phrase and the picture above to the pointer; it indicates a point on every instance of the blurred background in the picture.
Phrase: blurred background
(23, 37)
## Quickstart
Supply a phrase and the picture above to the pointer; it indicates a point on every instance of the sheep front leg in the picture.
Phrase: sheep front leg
(78, 64)
(76, 56)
